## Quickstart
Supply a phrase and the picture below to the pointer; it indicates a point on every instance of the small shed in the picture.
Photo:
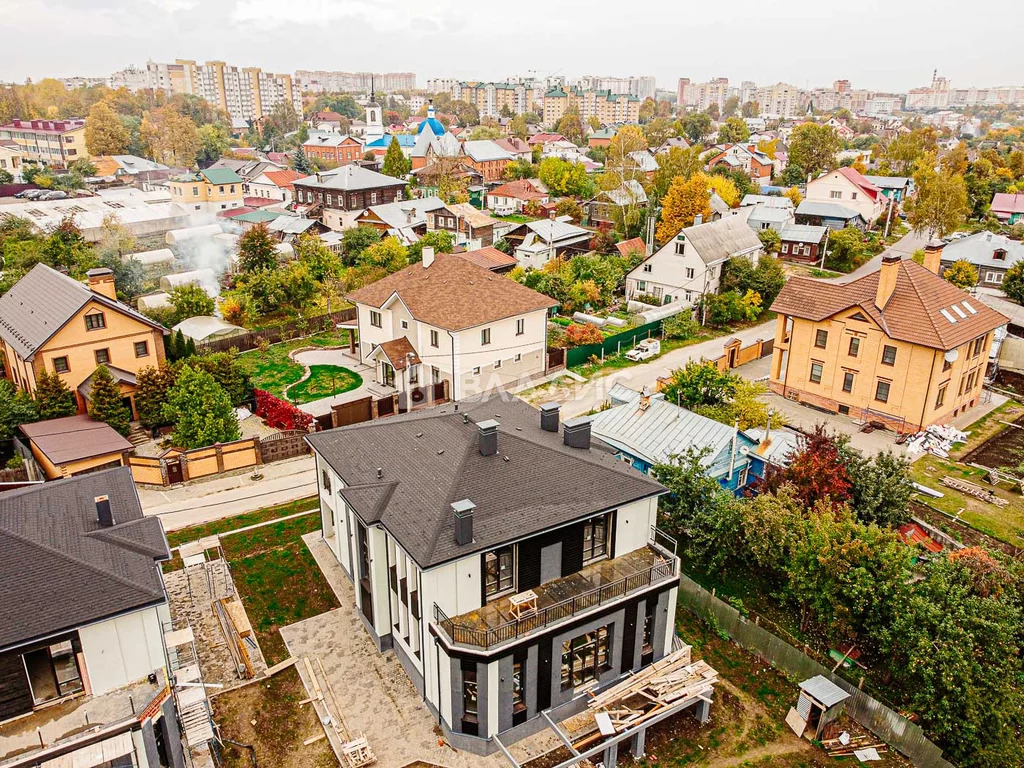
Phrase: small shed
(75, 445)
(820, 702)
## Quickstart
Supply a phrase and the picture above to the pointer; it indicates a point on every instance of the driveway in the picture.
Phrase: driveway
(905, 247)
(374, 695)
(579, 398)
(343, 359)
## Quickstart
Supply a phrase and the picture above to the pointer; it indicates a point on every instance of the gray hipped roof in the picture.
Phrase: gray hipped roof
(824, 691)
(430, 459)
(980, 249)
(61, 569)
(42, 302)
(826, 210)
(349, 178)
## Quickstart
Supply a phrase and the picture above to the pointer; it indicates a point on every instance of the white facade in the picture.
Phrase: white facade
(674, 273)
(263, 187)
(515, 347)
(123, 649)
(836, 188)
(454, 587)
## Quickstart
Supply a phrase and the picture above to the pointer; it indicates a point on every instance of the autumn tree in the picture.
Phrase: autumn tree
(677, 162)
(793, 193)
(395, 162)
(257, 249)
(53, 398)
(697, 126)
(940, 205)
(1013, 282)
(170, 137)
(388, 254)
(750, 109)
(563, 177)
(733, 131)
(105, 134)
(106, 403)
(813, 147)
(686, 199)
(725, 187)
(200, 410)
(771, 241)
(816, 471)
(570, 125)
(962, 274)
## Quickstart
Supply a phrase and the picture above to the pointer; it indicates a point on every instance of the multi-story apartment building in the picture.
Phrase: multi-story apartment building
(779, 100)
(703, 95)
(512, 569)
(684, 91)
(901, 345)
(321, 81)
(607, 107)
(56, 142)
(642, 87)
(493, 99)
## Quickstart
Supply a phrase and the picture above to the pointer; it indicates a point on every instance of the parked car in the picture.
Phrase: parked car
(646, 349)
(55, 194)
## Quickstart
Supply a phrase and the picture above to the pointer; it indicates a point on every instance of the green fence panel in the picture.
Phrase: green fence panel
(611, 346)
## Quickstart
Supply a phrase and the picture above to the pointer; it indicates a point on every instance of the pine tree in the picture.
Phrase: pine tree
(200, 409)
(151, 390)
(178, 350)
(106, 403)
(300, 163)
(395, 162)
(190, 348)
(53, 398)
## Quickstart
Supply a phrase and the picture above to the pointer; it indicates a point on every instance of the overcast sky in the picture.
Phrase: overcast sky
(877, 44)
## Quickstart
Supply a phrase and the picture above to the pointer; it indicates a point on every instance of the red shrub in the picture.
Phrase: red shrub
(579, 334)
(279, 414)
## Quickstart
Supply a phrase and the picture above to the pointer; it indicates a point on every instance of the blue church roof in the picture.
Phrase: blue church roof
(405, 140)
(435, 126)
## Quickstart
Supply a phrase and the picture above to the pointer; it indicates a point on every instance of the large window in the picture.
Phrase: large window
(499, 571)
(595, 538)
(820, 338)
(848, 382)
(60, 365)
(888, 355)
(95, 321)
(882, 391)
(53, 672)
(854, 346)
(816, 369)
(470, 695)
(375, 319)
(585, 657)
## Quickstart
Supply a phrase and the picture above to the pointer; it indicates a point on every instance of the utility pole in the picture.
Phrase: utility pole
(888, 219)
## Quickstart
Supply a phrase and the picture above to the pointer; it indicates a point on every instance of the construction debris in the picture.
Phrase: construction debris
(965, 486)
(840, 742)
(667, 683)
(937, 439)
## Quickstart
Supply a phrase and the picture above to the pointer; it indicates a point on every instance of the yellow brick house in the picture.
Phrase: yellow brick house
(900, 346)
(51, 322)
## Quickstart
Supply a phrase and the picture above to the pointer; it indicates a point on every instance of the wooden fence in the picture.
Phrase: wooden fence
(182, 466)
(367, 408)
(294, 330)
(884, 722)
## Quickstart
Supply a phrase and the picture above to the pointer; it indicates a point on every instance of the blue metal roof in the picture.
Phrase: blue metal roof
(435, 126)
(405, 140)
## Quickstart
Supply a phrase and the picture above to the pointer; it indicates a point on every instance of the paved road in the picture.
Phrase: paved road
(905, 247)
(228, 495)
(579, 398)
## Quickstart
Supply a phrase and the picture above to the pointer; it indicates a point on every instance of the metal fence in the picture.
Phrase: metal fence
(884, 722)
(613, 345)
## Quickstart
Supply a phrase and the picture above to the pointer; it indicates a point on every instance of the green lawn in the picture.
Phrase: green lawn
(517, 218)
(324, 381)
(278, 580)
(228, 524)
(274, 371)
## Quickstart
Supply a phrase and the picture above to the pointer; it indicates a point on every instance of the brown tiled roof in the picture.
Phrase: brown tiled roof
(74, 438)
(521, 190)
(916, 311)
(453, 293)
(489, 258)
(633, 245)
(400, 352)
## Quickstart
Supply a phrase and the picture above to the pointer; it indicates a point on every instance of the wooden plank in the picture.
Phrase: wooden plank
(282, 665)
(314, 739)
(312, 677)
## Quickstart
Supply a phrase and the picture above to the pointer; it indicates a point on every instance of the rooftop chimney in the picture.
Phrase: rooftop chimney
(463, 521)
(428, 256)
(576, 432)
(488, 437)
(887, 279)
(933, 255)
(549, 417)
(101, 281)
(698, 219)
(103, 512)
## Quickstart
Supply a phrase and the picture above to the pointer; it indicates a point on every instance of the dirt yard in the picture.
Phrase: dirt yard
(267, 717)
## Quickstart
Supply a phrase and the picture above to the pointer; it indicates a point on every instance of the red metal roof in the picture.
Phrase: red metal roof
(627, 247)
(913, 534)
(857, 178)
(1006, 203)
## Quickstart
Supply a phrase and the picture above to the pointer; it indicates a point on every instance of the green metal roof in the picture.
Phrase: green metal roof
(256, 217)
(221, 176)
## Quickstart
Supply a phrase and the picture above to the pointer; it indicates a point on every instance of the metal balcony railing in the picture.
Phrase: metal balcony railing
(480, 637)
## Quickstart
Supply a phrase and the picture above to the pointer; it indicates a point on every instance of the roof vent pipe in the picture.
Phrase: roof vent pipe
(576, 432)
(549, 417)
(463, 521)
(488, 437)
(104, 514)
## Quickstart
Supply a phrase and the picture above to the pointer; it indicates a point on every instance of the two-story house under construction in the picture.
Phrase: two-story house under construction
(511, 568)
(450, 320)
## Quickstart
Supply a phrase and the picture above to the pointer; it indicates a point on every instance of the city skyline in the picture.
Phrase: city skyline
(316, 35)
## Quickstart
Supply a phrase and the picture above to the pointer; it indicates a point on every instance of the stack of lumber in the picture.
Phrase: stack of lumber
(965, 486)
(836, 748)
(664, 684)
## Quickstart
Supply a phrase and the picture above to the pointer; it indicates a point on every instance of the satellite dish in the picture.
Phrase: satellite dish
(951, 356)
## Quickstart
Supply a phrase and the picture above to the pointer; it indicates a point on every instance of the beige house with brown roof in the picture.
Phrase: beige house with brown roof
(900, 346)
(449, 319)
